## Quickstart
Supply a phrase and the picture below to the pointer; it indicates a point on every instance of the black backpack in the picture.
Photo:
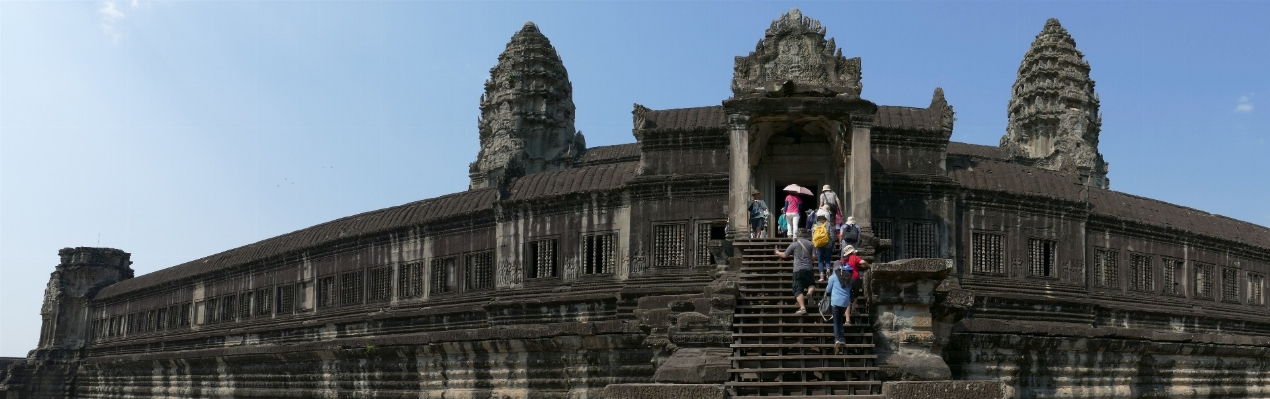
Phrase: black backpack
(852, 234)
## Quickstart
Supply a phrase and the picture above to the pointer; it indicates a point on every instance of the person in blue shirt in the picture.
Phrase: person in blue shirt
(840, 297)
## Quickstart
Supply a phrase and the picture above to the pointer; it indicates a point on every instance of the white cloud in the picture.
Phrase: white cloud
(109, 15)
(136, 4)
(1245, 104)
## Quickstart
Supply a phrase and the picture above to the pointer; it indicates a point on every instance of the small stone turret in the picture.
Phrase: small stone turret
(527, 113)
(82, 272)
(1054, 118)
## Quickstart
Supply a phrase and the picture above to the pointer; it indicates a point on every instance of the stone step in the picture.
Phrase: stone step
(803, 383)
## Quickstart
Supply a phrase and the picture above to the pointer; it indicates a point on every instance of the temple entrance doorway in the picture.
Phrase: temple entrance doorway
(796, 152)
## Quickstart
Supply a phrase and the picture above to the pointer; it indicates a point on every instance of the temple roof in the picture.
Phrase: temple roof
(411, 214)
(601, 177)
(982, 173)
(888, 117)
(609, 154)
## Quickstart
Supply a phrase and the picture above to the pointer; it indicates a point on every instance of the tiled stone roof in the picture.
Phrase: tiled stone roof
(609, 154)
(573, 180)
(1008, 177)
(414, 213)
(1015, 178)
(976, 150)
(1160, 213)
(907, 118)
(888, 117)
(687, 118)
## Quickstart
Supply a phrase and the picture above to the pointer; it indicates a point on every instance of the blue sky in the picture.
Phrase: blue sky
(175, 130)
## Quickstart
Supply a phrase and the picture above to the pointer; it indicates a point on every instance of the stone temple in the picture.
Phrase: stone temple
(626, 271)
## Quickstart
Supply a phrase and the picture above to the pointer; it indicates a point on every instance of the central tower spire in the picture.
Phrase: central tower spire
(1054, 119)
(526, 123)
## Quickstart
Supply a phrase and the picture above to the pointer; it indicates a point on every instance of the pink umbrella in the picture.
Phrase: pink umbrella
(804, 191)
(794, 187)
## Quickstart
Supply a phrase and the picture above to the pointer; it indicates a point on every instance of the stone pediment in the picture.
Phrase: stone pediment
(794, 58)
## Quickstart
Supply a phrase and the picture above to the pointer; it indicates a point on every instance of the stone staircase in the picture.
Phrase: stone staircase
(775, 353)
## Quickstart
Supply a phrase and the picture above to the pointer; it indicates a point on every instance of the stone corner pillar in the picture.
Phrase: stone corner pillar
(903, 294)
(82, 272)
(739, 174)
(861, 171)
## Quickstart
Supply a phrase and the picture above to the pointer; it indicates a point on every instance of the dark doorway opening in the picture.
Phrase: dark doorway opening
(776, 201)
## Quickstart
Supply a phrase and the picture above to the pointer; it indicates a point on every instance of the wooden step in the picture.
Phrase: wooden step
(800, 357)
(801, 369)
(770, 346)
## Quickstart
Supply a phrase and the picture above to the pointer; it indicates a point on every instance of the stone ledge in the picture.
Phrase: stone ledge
(944, 390)
(664, 391)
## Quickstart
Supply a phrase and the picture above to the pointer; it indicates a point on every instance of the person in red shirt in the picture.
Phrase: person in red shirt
(852, 262)
(792, 204)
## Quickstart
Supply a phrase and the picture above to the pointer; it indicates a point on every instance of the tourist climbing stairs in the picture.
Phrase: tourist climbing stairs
(778, 353)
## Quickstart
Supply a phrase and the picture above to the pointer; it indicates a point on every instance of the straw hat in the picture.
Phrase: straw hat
(850, 219)
(848, 250)
(826, 188)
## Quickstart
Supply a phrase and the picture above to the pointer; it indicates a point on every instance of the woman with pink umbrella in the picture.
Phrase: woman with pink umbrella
(792, 205)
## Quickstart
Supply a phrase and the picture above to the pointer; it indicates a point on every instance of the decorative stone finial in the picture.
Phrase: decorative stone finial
(527, 112)
(946, 114)
(1054, 119)
(794, 51)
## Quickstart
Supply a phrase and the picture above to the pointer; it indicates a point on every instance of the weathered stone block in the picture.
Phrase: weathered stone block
(664, 391)
(695, 366)
(944, 390)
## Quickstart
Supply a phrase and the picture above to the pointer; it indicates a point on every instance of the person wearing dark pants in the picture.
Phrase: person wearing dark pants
(840, 297)
(804, 283)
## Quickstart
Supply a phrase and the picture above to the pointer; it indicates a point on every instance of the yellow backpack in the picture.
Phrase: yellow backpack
(820, 236)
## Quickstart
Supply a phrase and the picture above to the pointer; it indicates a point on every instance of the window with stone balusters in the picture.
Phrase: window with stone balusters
(352, 287)
(883, 230)
(174, 317)
(211, 311)
(1106, 268)
(598, 253)
(1204, 276)
(286, 299)
(919, 240)
(325, 291)
(987, 251)
(264, 302)
(1042, 257)
(228, 305)
(478, 271)
(410, 280)
(1172, 276)
(1230, 285)
(542, 260)
(1141, 274)
(668, 245)
(442, 278)
(1256, 289)
(380, 287)
(244, 308)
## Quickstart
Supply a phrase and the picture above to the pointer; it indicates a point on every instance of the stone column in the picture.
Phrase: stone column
(739, 181)
(861, 171)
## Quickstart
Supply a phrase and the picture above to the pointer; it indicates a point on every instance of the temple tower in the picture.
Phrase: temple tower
(1054, 119)
(527, 111)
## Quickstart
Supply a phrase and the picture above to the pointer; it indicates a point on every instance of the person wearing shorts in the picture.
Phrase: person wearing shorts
(804, 282)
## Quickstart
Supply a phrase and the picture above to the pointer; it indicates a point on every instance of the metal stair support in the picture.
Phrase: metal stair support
(775, 353)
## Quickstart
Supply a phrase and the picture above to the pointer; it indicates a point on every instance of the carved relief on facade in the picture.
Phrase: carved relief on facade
(794, 49)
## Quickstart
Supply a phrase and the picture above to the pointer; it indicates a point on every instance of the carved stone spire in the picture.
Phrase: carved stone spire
(946, 114)
(795, 58)
(1054, 118)
(526, 123)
